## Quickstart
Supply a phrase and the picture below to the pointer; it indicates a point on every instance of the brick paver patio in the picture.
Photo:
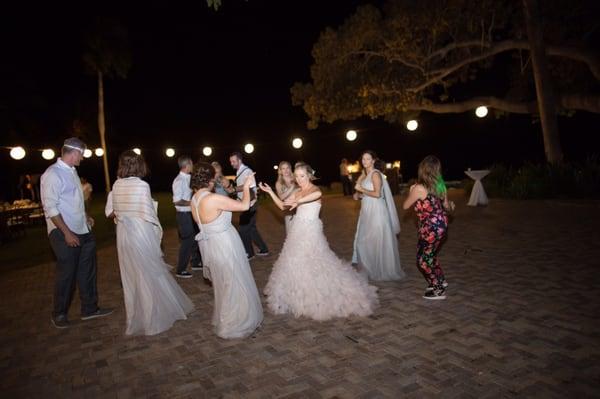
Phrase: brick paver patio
(522, 320)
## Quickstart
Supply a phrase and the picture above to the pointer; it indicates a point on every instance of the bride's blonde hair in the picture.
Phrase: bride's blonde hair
(309, 171)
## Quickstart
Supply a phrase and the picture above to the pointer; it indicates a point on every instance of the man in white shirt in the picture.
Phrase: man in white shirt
(71, 238)
(187, 228)
(248, 230)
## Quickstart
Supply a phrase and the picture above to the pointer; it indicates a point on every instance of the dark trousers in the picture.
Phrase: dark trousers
(249, 233)
(74, 264)
(188, 247)
(347, 185)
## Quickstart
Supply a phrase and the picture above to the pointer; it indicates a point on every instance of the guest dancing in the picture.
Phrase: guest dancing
(429, 195)
(285, 186)
(223, 185)
(308, 279)
(375, 242)
(182, 193)
(238, 310)
(153, 300)
(248, 231)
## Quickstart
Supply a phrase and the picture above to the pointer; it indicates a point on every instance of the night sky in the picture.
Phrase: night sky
(220, 78)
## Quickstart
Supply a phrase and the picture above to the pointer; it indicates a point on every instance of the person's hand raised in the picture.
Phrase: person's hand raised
(265, 187)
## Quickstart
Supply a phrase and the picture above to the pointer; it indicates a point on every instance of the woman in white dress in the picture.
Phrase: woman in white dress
(238, 310)
(285, 186)
(308, 279)
(153, 300)
(375, 242)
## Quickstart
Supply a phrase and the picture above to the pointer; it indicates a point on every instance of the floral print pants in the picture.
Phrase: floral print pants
(427, 261)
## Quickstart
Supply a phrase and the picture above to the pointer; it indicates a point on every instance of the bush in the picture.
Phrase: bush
(566, 180)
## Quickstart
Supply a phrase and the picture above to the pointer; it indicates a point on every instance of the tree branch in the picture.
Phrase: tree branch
(453, 46)
(591, 59)
(386, 57)
(579, 102)
(469, 105)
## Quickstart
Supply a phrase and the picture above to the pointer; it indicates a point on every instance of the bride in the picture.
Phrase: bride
(308, 279)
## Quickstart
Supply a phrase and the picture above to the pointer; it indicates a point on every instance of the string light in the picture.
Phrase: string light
(170, 152)
(87, 153)
(207, 151)
(351, 135)
(17, 153)
(249, 148)
(412, 125)
(99, 152)
(297, 143)
(137, 151)
(48, 154)
(481, 111)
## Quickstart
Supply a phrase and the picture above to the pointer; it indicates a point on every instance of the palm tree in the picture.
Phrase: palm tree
(107, 54)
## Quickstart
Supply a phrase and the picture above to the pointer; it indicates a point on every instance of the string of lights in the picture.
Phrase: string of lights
(19, 153)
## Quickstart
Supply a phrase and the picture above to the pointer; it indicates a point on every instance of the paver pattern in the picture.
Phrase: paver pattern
(522, 319)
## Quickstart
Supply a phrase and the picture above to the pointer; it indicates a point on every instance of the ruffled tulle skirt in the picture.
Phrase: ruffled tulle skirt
(308, 279)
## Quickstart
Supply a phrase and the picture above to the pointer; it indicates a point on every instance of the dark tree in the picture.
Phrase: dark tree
(107, 55)
(436, 55)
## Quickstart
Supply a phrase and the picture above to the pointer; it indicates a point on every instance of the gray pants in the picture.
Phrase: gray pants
(188, 248)
(74, 264)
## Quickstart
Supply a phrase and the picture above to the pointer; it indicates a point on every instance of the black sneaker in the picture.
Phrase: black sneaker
(198, 267)
(184, 274)
(430, 288)
(97, 313)
(250, 257)
(263, 253)
(433, 295)
(60, 321)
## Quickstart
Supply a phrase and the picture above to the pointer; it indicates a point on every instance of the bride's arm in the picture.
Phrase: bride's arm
(267, 189)
(293, 202)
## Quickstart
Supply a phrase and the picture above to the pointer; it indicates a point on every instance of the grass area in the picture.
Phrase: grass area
(34, 248)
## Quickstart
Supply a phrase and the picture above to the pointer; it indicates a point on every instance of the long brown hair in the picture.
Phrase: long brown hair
(131, 165)
(430, 176)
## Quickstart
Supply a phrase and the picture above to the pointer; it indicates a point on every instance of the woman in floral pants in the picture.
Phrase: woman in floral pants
(429, 195)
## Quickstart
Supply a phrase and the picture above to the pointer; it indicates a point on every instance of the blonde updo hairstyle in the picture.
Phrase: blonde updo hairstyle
(309, 171)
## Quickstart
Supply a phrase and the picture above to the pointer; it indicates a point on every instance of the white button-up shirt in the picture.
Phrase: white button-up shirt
(240, 177)
(62, 195)
(182, 191)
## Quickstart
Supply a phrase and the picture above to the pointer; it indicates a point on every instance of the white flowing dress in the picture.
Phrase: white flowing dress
(375, 242)
(308, 279)
(153, 300)
(238, 310)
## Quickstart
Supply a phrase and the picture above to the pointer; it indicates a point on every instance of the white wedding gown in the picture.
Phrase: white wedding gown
(375, 242)
(153, 300)
(308, 279)
(238, 310)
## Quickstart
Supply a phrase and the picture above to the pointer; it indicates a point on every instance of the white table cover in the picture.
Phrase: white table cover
(478, 195)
